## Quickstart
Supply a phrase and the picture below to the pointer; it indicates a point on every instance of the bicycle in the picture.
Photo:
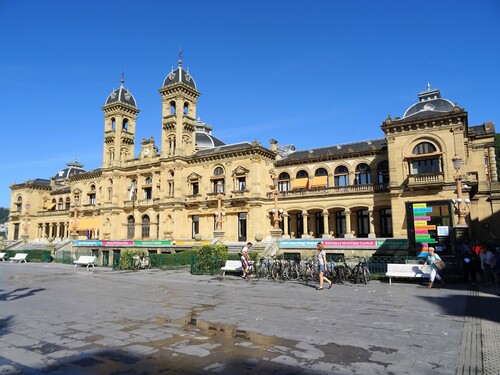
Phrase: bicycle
(140, 262)
(360, 273)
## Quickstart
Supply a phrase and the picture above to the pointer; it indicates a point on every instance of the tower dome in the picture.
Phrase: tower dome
(430, 104)
(71, 169)
(121, 95)
(179, 75)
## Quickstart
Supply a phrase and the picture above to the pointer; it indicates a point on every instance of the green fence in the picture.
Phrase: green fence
(67, 257)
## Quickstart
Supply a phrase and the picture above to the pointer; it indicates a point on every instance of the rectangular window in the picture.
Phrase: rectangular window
(242, 184)
(340, 223)
(284, 185)
(92, 199)
(148, 193)
(195, 226)
(363, 223)
(242, 226)
(386, 222)
(196, 188)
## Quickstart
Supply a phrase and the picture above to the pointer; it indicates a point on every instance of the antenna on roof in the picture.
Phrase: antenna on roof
(180, 55)
(122, 80)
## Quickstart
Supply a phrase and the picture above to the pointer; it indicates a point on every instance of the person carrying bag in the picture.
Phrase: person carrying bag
(435, 262)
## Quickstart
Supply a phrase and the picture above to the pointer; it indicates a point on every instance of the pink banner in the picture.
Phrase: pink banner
(118, 243)
(352, 243)
(422, 218)
(421, 231)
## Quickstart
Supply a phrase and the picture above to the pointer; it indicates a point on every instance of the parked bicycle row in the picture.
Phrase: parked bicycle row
(351, 270)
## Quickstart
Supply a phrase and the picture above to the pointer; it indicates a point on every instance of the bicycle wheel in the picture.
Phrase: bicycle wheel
(366, 275)
(136, 263)
(293, 273)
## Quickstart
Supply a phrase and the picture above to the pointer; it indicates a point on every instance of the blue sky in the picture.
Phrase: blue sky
(308, 73)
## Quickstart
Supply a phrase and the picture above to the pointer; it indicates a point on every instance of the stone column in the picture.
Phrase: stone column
(371, 233)
(304, 224)
(285, 225)
(326, 228)
(348, 233)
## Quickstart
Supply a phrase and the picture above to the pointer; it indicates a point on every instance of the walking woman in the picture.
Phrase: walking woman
(432, 259)
(322, 266)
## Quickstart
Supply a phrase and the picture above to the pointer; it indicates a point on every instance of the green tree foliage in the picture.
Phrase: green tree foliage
(4, 215)
(497, 152)
(210, 258)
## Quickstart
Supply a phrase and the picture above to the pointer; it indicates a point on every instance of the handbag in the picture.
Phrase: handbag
(440, 264)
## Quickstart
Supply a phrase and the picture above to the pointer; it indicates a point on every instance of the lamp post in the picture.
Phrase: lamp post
(219, 214)
(74, 225)
(461, 204)
(26, 224)
(277, 213)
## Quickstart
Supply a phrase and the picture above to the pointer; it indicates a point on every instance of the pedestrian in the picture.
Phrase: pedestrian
(322, 266)
(487, 265)
(245, 259)
(470, 264)
(433, 260)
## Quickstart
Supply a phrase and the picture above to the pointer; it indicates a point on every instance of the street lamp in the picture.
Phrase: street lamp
(26, 223)
(219, 214)
(460, 204)
(277, 213)
(75, 218)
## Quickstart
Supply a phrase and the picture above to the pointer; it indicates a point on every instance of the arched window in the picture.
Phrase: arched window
(146, 222)
(284, 181)
(113, 124)
(110, 189)
(218, 181)
(125, 125)
(186, 108)
(320, 179)
(67, 204)
(341, 176)
(60, 204)
(383, 172)
(363, 174)
(130, 227)
(172, 108)
(19, 203)
(301, 180)
(425, 159)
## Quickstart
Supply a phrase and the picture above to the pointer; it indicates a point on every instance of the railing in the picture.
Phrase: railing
(368, 188)
(421, 179)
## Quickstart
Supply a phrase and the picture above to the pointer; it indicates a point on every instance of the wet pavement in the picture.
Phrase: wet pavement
(59, 319)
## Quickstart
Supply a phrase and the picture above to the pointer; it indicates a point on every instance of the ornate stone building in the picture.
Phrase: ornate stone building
(193, 185)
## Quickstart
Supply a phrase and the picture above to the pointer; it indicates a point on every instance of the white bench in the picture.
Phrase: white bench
(20, 257)
(86, 260)
(231, 265)
(2, 257)
(407, 270)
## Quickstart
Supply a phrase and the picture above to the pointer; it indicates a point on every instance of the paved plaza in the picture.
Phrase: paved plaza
(59, 319)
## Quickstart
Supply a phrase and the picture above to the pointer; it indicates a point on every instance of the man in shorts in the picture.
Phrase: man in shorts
(245, 259)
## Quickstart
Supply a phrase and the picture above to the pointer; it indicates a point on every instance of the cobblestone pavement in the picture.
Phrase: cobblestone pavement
(63, 320)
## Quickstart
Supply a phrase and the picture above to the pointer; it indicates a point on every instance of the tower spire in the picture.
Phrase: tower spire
(180, 55)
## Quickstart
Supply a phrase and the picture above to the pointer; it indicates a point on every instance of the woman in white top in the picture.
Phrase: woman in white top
(322, 266)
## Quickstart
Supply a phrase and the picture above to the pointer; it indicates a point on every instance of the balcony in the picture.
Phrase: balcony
(425, 180)
(336, 190)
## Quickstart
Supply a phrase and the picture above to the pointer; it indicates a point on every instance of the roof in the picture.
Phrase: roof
(71, 169)
(430, 104)
(121, 95)
(363, 146)
(179, 75)
(205, 138)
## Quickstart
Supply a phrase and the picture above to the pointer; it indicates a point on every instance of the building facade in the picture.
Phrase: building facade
(194, 186)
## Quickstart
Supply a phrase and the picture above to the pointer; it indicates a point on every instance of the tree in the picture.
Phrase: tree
(4, 215)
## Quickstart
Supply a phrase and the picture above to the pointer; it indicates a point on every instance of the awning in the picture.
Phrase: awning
(300, 183)
(51, 206)
(319, 182)
(88, 223)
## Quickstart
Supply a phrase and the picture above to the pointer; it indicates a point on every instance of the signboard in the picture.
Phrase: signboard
(348, 243)
(119, 243)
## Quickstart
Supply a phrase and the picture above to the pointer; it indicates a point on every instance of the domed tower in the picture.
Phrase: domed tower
(179, 99)
(120, 115)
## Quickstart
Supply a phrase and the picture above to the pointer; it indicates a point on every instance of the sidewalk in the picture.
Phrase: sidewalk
(64, 320)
